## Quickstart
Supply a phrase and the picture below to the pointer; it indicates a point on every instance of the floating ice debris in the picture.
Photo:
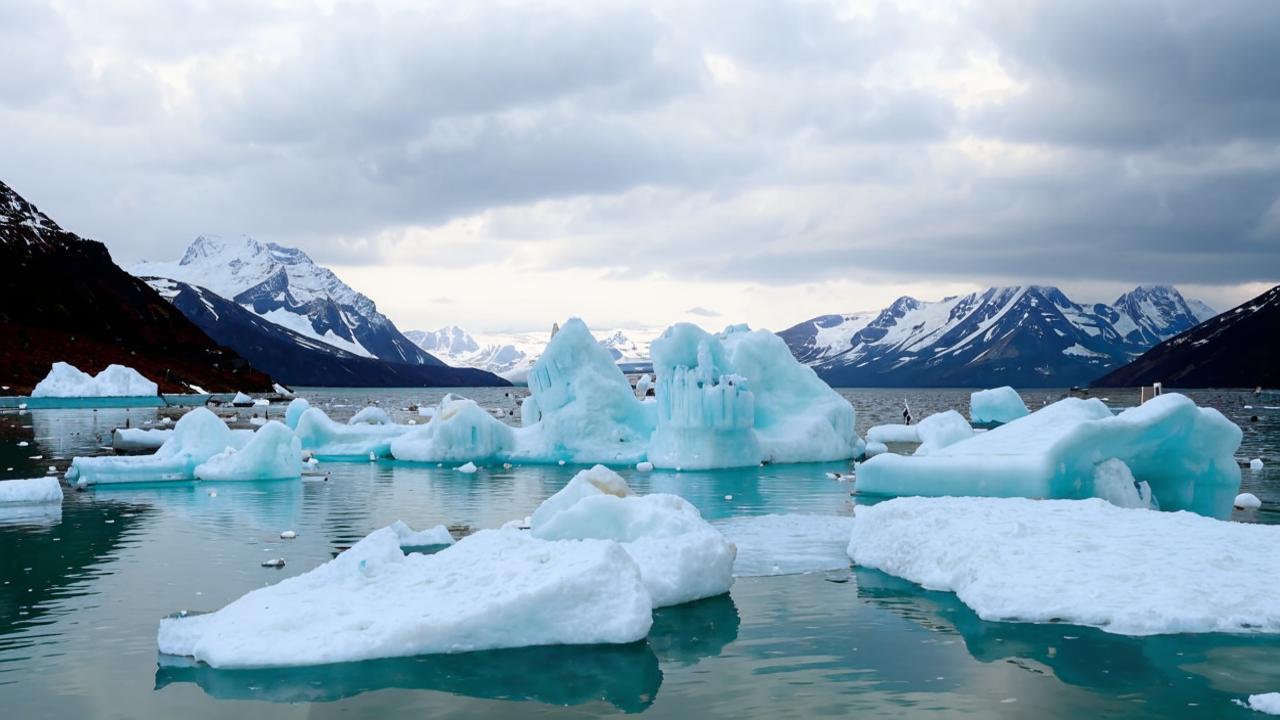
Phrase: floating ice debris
(642, 386)
(261, 402)
(198, 436)
(787, 544)
(281, 390)
(681, 557)
(1255, 464)
(506, 466)
(67, 381)
(998, 405)
(213, 493)
(372, 415)
(375, 601)
(1247, 501)
(242, 400)
(468, 467)
(23, 443)
(272, 563)
(257, 421)
(52, 469)
(166, 421)
(645, 466)
(1085, 562)
(288, 535)
(561, 462)
(408, 537)
(36, 457)
(458, 430)
(728, 497)
(1268, 703)
(1185, 454)
(273, 453)
(22, 406)
(30, 491)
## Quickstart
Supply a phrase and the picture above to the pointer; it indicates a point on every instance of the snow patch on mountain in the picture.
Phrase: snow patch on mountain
(512, 355)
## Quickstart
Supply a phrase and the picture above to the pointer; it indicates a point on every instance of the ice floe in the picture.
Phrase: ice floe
(67, 381)
(1184, 453)
(30, 491)
(492, 589)
(1086, 562)
(997, 405)
(139, 439)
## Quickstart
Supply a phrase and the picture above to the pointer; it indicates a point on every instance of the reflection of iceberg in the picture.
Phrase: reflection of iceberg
(45, 515)
(687, 633)
(625, 676)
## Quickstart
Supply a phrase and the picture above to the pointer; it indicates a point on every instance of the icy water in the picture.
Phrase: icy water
(81, 594)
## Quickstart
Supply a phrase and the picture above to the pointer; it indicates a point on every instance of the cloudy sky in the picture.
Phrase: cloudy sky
(500, 165)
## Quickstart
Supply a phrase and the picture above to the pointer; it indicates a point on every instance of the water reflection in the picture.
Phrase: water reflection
(625, 676)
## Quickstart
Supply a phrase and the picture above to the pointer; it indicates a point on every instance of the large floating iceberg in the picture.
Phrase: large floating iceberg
(997, 405)
(67, 381)
(1086, 562)
(458, 431)
(197, 436)
(272, 453)
(681, 557)
(1183, 453)
(493, 589)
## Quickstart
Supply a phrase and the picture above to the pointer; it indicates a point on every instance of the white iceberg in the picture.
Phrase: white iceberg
(1246, 501)
(327, 438)
(1085, 562)
(242, 400)
(273, 453)
(371, 415)
(997, 405)
(197, 436)
(893, 433)
(67, 381)
(1185, 454)
(1266, 703)
(139, 439)
(493, 589)
(681, 557)
(408, 537)
(30, 491)
(787, 544)
(459, 430)
(293, 413)
(941, 430)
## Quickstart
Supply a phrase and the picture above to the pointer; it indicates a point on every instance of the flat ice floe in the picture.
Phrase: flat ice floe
(67, 381)
(1185, 454)
(138, 439)
(1086, 562)
(30, 491)
(493, 589)
(787, 544)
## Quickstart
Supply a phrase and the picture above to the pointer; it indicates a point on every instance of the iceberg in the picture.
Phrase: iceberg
(1266, 703)
(293, 413)
(371, 415)
(30, 491)
(326, 438)
(1085, 562)
(67, 381)
(996, 406)
(1185, 455)
(493, 589)
(197, 436)
(242, 400)
(581, 408)
(139, 439)
(459, 431)
(408, 537)
(272, 453)
(893, 433)
(681, 557)
(942, 430)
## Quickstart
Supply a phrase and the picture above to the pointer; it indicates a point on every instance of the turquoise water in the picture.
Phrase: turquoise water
(81, 595)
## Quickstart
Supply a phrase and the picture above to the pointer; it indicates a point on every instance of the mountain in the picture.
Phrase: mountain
(298, 359)
(1235, 349)
(1027, 336)
(63, 299)
(282, 285)
(512, 355)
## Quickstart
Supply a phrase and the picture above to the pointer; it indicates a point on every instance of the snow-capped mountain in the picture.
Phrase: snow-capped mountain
(512, 355)
(64, 299)
(284, 286)
(1234, 349)
(1029, 336)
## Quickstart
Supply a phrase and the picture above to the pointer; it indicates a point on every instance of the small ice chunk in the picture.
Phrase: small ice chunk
(644, 466)
(408, 537)
(459, 430)
(262, 402)
(138, 439)
(288, 535)
(893, 433)
(23, 443)
(327, 438)
(1255, 464)
(371, 415)
(1247, 501)
(468, 467)
(242, 400)
(273, 563)
(30, 491)
(1268, 703)
(998, 405)
(875, 448)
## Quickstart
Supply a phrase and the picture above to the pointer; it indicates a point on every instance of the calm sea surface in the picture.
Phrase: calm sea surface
(81, 596)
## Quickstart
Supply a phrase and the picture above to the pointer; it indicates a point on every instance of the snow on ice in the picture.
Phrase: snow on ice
(410, 538)
(1184, 454)
(31, 491)
(998, 405)
(1086, 562)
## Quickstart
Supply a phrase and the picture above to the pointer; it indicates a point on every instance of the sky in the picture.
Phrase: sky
(501, 165)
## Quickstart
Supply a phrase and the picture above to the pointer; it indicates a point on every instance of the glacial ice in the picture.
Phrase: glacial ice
(293, 413)
(242, 400)
(874, 448)
(893, 433)
(67, 381)
(997, 405)
(139, 439)
(273, 453)
(459, 430)
(1255, 464)
(1246, 501)
(30, 491)
(1113, 482)
(326, 438)
(1266, 703)
(1184, 453)
(941, 430)
(1085, 562)
(408, 537)
(681, 557)
(371, 415)
(492, 589)
(197, 436)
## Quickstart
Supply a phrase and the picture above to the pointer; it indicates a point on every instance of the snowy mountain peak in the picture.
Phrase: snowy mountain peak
(449, 340)
(512, 355)
(22, 222)
(284, 286)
